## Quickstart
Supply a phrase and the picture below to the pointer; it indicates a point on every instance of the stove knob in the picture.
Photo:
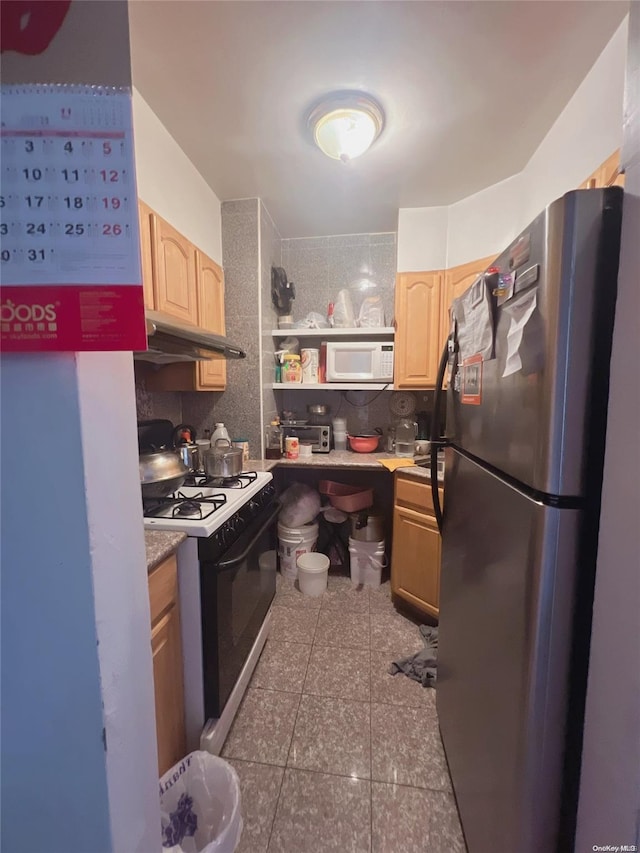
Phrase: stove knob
(254, 505)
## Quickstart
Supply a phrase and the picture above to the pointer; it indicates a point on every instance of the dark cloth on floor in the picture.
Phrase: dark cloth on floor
(421, 666)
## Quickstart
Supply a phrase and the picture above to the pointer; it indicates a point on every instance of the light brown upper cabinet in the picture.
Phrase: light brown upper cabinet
(174, 268)
(205, 283)
(456, 281)
(146, 254)
(606, 175)
(417, 338)
(212, 375)
(609, 172)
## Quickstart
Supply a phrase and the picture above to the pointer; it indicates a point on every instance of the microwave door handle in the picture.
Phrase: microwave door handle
(225, 565)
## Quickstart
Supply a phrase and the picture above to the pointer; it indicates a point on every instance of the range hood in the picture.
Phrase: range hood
(170, 341)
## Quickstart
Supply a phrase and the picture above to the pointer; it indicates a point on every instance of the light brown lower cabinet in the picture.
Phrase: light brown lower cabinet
(415, 560)
(166, 647)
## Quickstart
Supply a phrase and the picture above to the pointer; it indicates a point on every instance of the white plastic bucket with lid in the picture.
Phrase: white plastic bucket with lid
(293, 542)
(367, 561)
(313, 571)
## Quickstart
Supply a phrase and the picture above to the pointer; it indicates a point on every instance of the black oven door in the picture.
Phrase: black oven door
(236, 591)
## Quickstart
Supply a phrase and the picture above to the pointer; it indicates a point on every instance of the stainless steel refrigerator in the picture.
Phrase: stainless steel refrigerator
(528, 358)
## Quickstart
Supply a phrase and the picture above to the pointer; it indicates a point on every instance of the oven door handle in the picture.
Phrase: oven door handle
(223, 565)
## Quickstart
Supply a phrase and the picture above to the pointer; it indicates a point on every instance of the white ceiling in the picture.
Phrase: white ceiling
(469, 90)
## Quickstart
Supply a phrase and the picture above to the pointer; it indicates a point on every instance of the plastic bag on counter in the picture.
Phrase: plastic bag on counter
(371, 312)
(200, 806)
(313, 320)
(343, 316)
(300, 505)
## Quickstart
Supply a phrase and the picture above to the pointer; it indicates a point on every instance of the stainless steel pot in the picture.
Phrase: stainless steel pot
(319, 414)
(366, 526)
(223, 460)
(190, 455)
(161, 473)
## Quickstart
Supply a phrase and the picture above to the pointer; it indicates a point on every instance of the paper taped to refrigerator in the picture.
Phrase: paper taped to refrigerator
(474, 319)
(520, 313)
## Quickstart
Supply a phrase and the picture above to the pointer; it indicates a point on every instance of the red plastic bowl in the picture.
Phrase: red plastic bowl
(362, 444)
(346, 498)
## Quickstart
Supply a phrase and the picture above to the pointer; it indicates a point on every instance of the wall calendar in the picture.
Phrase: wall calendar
(69, 233)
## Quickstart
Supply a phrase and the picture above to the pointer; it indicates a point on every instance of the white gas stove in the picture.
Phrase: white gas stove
(225, 591)
(202, 506)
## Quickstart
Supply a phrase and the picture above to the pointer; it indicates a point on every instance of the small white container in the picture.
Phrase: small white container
(310, 360)
(305, 449)
(313, 571)
(340, 440)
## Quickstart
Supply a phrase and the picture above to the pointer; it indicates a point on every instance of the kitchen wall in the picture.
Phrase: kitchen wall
(609, 801)
(170, 184)
(422, 238)
(587, 131)
(156, 404)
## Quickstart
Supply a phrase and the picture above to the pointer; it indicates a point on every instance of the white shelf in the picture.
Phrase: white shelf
(370, 332)
(331, 386)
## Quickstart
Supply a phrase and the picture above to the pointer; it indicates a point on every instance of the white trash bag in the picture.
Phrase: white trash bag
(300, 505)
(200, 806)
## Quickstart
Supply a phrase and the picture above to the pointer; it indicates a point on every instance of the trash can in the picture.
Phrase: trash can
(200, 805)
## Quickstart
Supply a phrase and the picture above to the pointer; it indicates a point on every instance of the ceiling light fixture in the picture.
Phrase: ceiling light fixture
(345, 124)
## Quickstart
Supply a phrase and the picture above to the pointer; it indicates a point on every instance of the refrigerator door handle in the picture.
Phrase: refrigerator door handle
(438, 441)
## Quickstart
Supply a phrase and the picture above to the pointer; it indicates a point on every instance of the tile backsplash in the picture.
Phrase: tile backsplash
(157, 404)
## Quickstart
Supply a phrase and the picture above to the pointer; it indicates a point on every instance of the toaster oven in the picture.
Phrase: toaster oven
(319, 436)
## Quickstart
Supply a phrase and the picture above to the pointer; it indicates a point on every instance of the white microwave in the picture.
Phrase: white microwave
(359, 361)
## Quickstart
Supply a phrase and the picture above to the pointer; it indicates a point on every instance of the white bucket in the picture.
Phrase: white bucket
(367, 562)
(313, 571)
(292, 543)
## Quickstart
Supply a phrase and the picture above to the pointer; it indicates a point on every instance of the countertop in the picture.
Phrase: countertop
(418, 473)
(159, 544)
(334, 459)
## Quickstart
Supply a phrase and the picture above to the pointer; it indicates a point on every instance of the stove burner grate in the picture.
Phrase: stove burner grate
(241, 481)
(192, 508)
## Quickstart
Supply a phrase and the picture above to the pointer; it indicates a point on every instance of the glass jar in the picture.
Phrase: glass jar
(273, 441)
(291, 369)
(406, 431)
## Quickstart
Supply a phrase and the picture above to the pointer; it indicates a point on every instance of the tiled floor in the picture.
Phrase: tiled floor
(333, 753)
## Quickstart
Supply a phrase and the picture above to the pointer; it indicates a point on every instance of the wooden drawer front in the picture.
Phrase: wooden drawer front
(163, 587)
(416, 493)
